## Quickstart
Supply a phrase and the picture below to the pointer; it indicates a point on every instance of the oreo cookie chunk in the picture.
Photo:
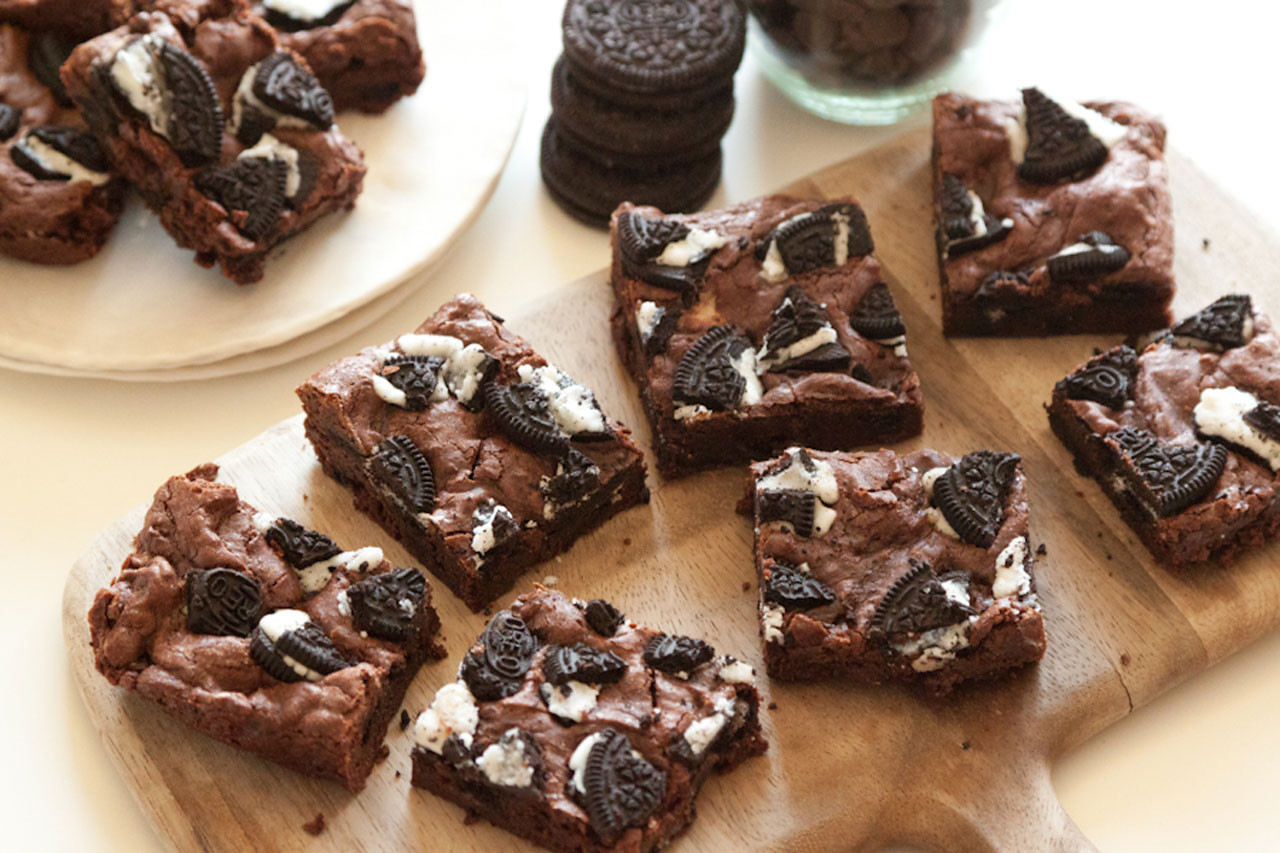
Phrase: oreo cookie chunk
(56, 153)
(665, 252)
(403, 470)
(590, 191)
(826, 237)
(921, 601)
(10, 121)
(222, 601)
(1226, 324)
(254, 192)
(801, 338)
(1092, 256)
(386, 605)
(1061, 144)
(545, 410)
(964, 224)
(290, 647)
(1165, 478)
(794, 589)
(593, 726)
(877, 318)
(497, 668)
(278, 91)
(289, 16)
(971, 494)
(46, 53)
(716, 374)
(1107, 379)
(799, 492)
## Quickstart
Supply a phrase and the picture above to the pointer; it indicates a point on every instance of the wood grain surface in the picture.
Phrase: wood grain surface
(848, 767)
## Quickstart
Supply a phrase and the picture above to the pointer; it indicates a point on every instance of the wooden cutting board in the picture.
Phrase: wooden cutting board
(848, 767)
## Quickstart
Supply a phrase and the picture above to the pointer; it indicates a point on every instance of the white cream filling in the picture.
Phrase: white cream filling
(55, 161)
(304, 10)
(766, 359)
(1107, 131)
(503, 762)
(315, 576)
(1220, 413)
(344, 604)
(1187, 342)
(280, 622)
(771, 620)
(745, 364)
(685, 412)
(772, 269)
(648, 316)
(680, 253)
(1011, 570)
(1078, 248)
(453, 712)
(700, 734)
(270, 148)
(388, 392)
(935, 516)
(262, 522)
(734, 671)
(572, 700)
(434, 346)
(572, 405)
(842, 239)
(578, 761)
(135, 74)
(483, 535)
(463, 366)
(956, 591)
(935, 647)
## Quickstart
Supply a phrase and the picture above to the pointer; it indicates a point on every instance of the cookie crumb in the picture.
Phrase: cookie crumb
(382, 754)
(626, 541)
(405, 719)
(1042, 550)
(315, 826)
(964, 745)
(1204, 244)
(746, 586)
(397, 774)
(1124, 659)
(470, 818)
(550, 580)
(773, 706)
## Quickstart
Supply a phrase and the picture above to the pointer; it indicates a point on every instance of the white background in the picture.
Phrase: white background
(1195, 771)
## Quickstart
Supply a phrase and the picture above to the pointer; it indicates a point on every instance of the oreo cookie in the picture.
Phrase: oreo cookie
(642, 240)
(800, 320)
(971, 494)
(194, 125)
(1060, 147)
(1092, 256)
(581, 662)
(676, 654)
(619, 788)
(222, 601)
(251, 189)
(640, 46)
(793, 507)
(298, 546)
(10, 120)
(403, 469)
(1265, 418)
(523, 414)
(576, 477)
(46, 53)
(497, 670)
(414, 375)
(590, 191)
(290, 647)
(964, 226)
(1165, 478)
(283, 85)
(792, 589)
(919, 601)
(826, 237)
(876, 316)
(70, 142)
(290, 17)
(1223, 325)
(385, 605)
(603, 617)
(1107, 379)
(707, 374)
(1004, 289)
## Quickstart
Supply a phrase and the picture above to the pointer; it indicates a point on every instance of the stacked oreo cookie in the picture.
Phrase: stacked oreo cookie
(640, 100)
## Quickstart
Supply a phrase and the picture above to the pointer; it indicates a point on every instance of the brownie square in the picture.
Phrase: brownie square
(76, 18)
(1052, 217)
(878, 566)
(365, 53)
(580, 730)
(262, 634)
(469, 448)
(1184, 436)
(758, 326)
(229, 138)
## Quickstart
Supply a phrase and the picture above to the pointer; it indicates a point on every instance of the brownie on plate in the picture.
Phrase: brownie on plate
(365, 52)
(579, 730)
(59, 199)
(876, 566)
(228, 137)
(261, 633)
(758, 326)
(467, 446)
(1184, 436)
(1052, 217)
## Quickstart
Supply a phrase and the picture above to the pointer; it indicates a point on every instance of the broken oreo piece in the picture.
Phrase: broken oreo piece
(1092, 256)
(708, 374)
(576, 477)
(793, 507)
(290, 89)
(877, 317)
(1004, 289)
(70, 142)
(222, 601)
(290, 647)
(965, 225)
(10, 120)
(294, 17)
(1107, 379)
(642, 239)
(826, 237)
(581, 662)
(1225, 324)
(251, 189)
(620, 788)
(400, 466)
(415, 375)
(384, 606)
(1265, 418)
(971, 494)
(1166, 478)
(194, 126)
(46, 53)
(1059, 145)
(677, 654)
(801, 338)
(524, 415)
(793, 589)
(485, 684)
(918, 602)
(508, 645)
(603, 617)
(298, 546)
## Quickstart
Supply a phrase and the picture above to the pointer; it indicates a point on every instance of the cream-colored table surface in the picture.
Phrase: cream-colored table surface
(1194, 771)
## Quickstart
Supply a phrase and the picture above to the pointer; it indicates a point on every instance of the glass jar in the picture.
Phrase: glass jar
(866, 61)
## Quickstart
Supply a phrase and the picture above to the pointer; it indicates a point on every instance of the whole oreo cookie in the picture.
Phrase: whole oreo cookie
(222, 601)
(251, 189)
(792, 589)
(971, 494)
(10, 120)
(918, 601)
(876, 316)
(707, 375)
(1060, 147)
(385, 605)
(1107, 379)
(287, 87)
(620, 789)
(298, 546)
(603, 617)
(655, 45)
(403, 469)
(1166, 478)
(590, 191)
(676, 654)
(584, 663)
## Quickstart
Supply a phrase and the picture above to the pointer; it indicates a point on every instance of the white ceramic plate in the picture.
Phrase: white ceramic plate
(143, 307)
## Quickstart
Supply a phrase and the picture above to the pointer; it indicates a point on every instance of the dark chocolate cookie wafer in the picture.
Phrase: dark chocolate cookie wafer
(663, 100)
(589, 191)
(600, 123)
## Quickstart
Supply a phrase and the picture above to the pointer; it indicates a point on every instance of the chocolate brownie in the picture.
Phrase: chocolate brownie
(579, 730)
(365, 52)
(77, 18)
(750, 328)
(59, 199)
(1052, 217)
(471, 449)
(261, 633)
(876, 566)
(228, 137)
(1184, 435)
